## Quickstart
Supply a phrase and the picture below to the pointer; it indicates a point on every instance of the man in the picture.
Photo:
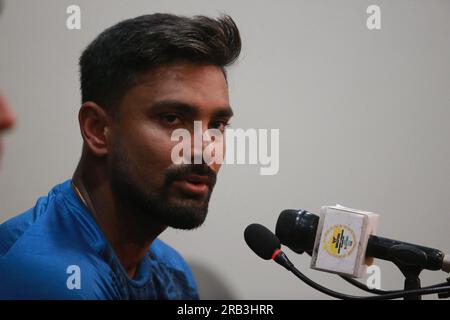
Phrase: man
(6, 119)
(6, 116)
(95, 236)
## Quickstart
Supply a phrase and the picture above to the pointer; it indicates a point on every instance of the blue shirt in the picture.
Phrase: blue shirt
(56, 250)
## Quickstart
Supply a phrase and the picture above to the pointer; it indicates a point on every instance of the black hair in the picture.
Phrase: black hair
(111, 64)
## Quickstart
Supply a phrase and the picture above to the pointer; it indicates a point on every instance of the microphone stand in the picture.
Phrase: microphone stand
(410, 259)
(411, 269)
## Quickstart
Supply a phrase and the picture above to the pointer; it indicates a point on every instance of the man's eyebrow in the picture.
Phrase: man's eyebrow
(187, 108)
(180, 106)
(224, 112)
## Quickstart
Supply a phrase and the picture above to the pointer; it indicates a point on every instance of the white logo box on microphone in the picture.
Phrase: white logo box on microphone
(341, 240)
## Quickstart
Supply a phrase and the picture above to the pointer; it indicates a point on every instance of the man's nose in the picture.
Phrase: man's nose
(197, 143)
(7, 118)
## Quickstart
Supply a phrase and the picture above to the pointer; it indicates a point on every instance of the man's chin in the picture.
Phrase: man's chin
(179, 212)
(188, 202)
(188, 222)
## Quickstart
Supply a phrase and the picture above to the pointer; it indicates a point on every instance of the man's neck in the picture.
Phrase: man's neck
(129, 233)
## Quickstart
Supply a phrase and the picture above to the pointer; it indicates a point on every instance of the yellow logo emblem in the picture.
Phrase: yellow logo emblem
(339, 241)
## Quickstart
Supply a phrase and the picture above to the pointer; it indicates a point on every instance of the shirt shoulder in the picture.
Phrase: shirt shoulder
(69, 276)
(49, 252)
(13, 229)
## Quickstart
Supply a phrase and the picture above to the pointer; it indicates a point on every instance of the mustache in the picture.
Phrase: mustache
(179, 172)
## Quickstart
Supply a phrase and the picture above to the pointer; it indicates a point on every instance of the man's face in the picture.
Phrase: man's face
(141, 170)
(6, 118)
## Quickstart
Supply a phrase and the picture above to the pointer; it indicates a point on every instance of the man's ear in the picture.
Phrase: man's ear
(95, 126)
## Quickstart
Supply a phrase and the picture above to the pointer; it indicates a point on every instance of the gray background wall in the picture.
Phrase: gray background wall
(363, 118)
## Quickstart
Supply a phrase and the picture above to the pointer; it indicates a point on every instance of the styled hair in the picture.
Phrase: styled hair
(113, 62)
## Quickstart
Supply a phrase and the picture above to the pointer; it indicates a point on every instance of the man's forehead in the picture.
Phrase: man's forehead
(183, 71)
(192, 84)
(201, 87)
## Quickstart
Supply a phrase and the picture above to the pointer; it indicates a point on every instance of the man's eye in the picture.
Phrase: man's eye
(221, 125)
(171, 119)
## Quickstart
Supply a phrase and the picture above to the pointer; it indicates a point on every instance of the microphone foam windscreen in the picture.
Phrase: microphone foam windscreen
(261, 240)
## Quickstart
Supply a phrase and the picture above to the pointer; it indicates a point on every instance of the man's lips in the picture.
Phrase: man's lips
(194, 184)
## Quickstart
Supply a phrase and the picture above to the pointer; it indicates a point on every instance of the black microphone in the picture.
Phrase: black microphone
(297, 230)
(266, 245)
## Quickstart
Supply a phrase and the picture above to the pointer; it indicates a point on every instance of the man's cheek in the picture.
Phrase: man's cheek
(162, 153)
